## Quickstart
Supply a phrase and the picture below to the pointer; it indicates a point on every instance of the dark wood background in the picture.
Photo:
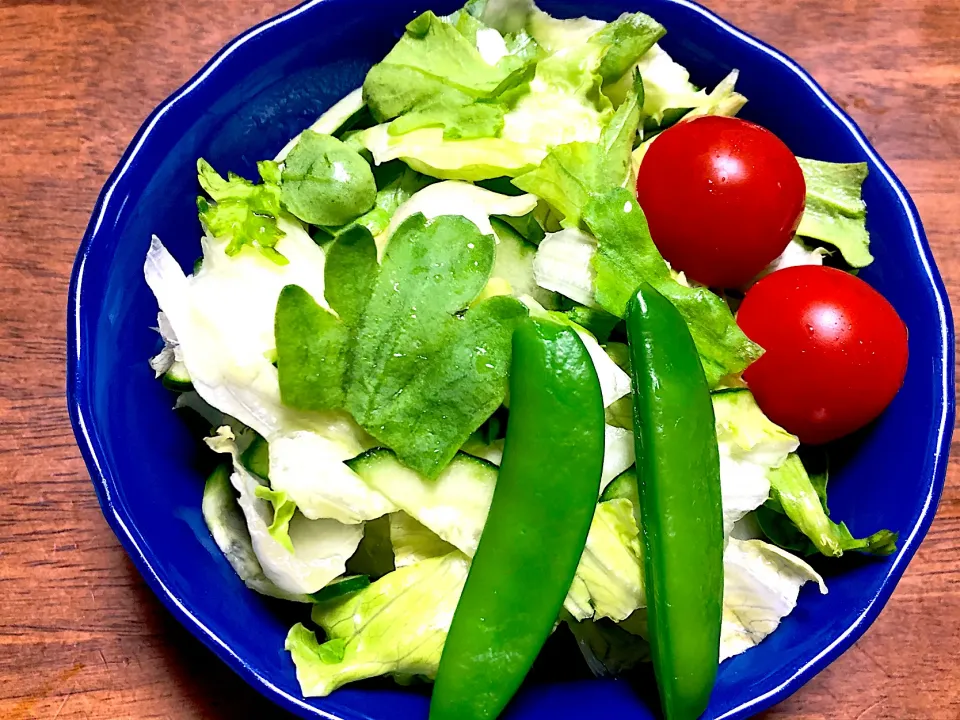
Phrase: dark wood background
(80, 634)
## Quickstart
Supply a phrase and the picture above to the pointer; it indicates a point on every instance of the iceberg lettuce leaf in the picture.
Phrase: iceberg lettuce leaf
(397, 625)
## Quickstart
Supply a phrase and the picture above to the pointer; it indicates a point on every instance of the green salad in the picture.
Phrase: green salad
(471, 374)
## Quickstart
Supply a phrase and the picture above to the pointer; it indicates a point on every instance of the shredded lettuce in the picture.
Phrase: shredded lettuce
(223, 321)
(659, 74)
(308, 468)
(427, 151)
(612, 562)
(317, 551)
(479, 139)
(564, 264)
(835, 212)
(626, 256)
(413, 543)
(228, 527)
(283, 510)
(397, 625)
(436, 77)
(618, 453)
(761, 583)
(573, 173)
(750, 447)
(458, 198)
(796, 253)
(241, 212)
(797, 517)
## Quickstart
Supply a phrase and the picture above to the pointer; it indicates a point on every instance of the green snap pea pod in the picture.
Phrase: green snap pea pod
(678, 472)
(542, 506)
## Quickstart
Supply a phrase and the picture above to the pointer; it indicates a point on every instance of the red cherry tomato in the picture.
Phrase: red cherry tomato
(835, 351)
(722, 196)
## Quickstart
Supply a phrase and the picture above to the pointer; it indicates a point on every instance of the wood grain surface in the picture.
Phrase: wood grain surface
(80, 634)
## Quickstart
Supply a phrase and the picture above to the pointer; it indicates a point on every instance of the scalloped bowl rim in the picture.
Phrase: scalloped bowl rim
(107, 207)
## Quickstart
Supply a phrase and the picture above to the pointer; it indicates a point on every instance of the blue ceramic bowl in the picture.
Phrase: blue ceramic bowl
(243, 106)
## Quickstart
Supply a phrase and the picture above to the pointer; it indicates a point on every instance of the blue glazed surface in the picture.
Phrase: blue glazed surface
(261, 90)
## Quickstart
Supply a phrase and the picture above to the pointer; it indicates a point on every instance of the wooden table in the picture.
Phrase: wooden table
(80, 634)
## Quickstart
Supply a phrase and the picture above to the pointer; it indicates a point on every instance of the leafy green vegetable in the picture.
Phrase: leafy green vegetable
(283, 510)
(312, 352)
(401, 359)
(452, 197)
(413, 543)
(796, 253)
(396, 625)
(750, 446)
(396, 183)
(723, 100)
(571, 174)
(308, 467)
(436, 77)
(626, 256)
(666, 86)
(626, 39)
(803, 501)
(834, 212)
(562, 103)
(761, 583)
(436, 57)
(242, 211)
(553, 34)
(325, 182)
(620, 43)
(342, 116)
(426, 151)
(611, 566)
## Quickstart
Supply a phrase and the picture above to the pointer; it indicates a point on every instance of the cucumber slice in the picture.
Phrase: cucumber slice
(731, 391)
(514, 264)
(623, 486)
(454, 506)
(227, 526)
(256, 458)
(341, 587)
(598, 322)
(177, 378)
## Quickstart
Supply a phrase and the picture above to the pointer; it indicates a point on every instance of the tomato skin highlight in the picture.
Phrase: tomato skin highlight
(723, 198)
(835, 351)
